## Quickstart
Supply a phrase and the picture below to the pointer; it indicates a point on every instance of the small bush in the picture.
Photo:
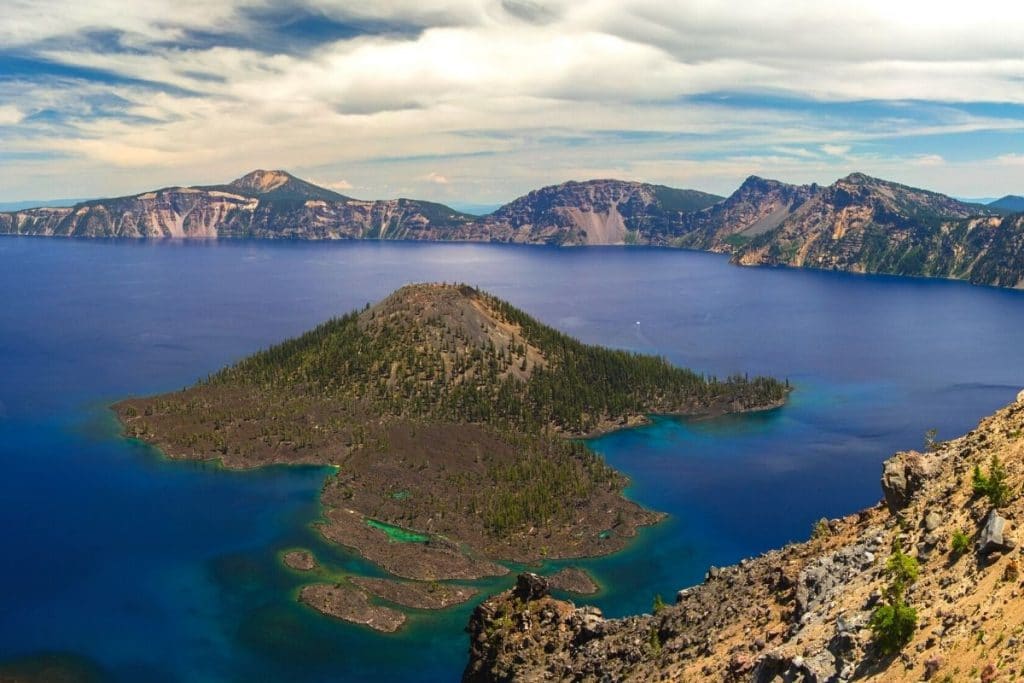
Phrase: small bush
(960, 543)
(993, 486)
(893, 626)
(821, 529)
(893, 623)
(659, 604)
(654, 645)
(902, 569)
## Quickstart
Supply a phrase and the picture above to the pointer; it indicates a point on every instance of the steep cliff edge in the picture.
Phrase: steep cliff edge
(802, 613)
(260, 204)
(868, 225)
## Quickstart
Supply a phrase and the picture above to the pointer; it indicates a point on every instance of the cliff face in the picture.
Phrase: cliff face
(597, 212)
(802, 613)
(866, 225)
(264, 204)
(859, 224)
(757, 207)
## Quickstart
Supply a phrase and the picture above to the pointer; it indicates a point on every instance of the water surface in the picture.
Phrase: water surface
(166, 571)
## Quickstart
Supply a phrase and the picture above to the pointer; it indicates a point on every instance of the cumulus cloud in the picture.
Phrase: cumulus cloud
(506, 94)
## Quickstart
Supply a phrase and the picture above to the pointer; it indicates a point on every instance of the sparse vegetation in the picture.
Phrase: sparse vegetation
(894, 622)
(659, 604)
(993, 485)
(960, 543)
(821, 529)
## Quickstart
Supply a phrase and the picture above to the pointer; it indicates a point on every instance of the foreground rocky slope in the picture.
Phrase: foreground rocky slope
(802, 613)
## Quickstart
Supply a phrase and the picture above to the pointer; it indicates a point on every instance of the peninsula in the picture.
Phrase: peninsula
(450, 417)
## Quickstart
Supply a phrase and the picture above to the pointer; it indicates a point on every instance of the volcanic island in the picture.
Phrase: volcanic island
(453, 422)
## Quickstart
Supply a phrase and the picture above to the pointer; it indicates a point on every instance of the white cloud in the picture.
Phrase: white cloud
(503, 92)
(835, 150)
(10, 115)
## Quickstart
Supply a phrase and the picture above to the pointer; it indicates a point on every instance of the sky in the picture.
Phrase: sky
(479, 101)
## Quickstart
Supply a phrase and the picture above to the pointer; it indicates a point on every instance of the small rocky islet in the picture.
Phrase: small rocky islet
(451, 419)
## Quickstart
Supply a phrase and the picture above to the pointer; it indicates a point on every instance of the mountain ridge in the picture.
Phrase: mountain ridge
(859, 223)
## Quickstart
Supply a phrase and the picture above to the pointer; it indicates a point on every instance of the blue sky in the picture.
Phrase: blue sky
(481, 100)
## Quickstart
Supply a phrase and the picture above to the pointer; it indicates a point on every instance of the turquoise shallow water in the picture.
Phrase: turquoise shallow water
(164, 571)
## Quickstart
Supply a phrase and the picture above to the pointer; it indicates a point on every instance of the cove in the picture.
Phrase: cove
(146, 569)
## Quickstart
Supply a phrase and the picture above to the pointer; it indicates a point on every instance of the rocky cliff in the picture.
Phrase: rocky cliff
(802, 613)
(859, 224)
(867, 225)
(262, 204)
(597, 212)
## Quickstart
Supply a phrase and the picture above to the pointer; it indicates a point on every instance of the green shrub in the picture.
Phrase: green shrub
(893, 626)
(659, 604)
(960, 543)
(993, 486)
(821, 529)
(654, 645)
(901, 568)
(893, 623)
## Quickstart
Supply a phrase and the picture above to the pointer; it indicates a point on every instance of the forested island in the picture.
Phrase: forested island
(452, 419)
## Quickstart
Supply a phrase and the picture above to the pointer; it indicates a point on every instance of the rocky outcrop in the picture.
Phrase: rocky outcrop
(993, 537)
(261, 204)
(904, 475)
(757, 207)
(802, 613)
(597, 212)
(868, 225)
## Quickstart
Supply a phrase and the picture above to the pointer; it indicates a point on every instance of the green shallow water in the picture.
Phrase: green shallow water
(396, 533)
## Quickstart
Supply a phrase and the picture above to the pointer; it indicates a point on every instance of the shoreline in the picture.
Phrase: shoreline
(228, 239)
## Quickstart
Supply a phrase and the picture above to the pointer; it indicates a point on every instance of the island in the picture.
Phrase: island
(453, 421)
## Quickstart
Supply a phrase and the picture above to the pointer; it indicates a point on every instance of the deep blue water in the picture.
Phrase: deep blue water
(163, 571)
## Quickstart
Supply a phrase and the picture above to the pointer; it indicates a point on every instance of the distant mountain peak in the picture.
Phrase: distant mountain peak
(281, 185)
(262, 182)
(1011, 203)
(858, 178)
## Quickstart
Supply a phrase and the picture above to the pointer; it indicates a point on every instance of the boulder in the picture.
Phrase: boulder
(993, 537)
(903, 475)
(530, 586)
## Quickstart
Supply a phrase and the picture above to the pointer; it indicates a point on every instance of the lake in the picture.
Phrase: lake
(136, 568)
